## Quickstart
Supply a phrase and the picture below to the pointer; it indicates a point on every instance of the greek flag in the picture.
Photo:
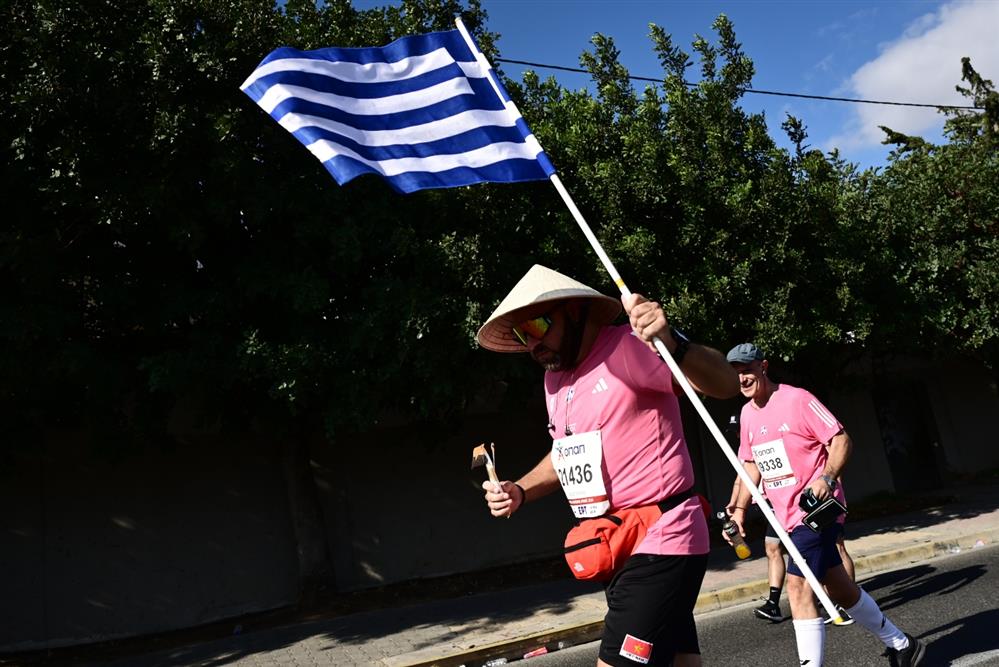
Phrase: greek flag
(421, 112)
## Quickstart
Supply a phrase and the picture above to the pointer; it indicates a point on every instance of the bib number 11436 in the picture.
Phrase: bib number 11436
(576, 460)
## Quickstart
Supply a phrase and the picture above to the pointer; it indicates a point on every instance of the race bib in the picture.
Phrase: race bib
(577, 460)
(775, 467)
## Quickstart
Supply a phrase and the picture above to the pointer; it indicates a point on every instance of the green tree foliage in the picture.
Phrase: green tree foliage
(173, 244)
(694, 199)
(667, 177)
(167, 244)
(933, 220)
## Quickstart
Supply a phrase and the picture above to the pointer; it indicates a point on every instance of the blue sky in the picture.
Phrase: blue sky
(901, 50)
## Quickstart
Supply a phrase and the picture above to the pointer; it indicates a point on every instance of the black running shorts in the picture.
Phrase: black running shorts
(650, 610)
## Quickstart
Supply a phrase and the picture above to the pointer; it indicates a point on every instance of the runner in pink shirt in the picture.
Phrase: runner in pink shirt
(623, 391)
(617, 443)
(795, 444)
(787, 440)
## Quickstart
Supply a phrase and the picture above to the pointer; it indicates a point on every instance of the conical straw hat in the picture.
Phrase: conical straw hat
(527, 299)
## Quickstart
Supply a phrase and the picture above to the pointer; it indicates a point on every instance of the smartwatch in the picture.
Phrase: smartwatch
(682, 344)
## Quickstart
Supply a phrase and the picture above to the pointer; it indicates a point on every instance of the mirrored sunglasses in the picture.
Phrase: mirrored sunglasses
(536, 329)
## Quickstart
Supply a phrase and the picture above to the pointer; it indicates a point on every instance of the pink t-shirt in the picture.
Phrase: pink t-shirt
(787, 438)
(626, 392)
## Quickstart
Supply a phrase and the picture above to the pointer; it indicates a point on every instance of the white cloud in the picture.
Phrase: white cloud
(824, 65)
(847, 29)
(923, 65)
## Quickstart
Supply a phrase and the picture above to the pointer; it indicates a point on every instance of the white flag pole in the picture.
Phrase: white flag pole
(663, 352)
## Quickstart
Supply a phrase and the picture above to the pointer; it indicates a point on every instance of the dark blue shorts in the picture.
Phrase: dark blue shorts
(818, 549)
(771, 534)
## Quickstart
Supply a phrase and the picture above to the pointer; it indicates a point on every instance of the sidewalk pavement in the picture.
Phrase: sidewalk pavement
(472, 630)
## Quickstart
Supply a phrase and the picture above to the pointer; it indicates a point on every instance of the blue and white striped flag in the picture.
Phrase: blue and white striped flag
(421, 112)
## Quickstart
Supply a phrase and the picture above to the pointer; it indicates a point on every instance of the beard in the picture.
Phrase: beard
(550, 360)
(566, 356)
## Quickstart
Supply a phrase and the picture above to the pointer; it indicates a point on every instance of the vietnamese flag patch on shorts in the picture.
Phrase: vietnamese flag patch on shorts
(635, 649)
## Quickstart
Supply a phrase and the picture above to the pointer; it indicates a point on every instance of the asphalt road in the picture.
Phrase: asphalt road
(949, 603)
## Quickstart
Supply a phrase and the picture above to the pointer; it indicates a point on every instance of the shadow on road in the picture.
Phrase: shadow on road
(964, 637)
(918, 582)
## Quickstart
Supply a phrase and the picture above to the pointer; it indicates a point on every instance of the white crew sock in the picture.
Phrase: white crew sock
(811, 637)
(869, 614)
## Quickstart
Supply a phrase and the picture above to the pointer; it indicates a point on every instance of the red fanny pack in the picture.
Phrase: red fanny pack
(597, 548)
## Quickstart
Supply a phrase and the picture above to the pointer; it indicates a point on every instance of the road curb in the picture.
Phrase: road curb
(509, 649)
(931, 549)
(706, 602)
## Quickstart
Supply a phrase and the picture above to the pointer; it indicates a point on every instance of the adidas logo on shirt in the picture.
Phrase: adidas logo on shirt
(601, 386)
(784, 428)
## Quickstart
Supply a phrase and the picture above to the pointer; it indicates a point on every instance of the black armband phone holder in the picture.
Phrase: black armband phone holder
(819, 513)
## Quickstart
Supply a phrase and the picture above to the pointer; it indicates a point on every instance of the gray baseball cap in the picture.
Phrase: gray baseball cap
(744, 353)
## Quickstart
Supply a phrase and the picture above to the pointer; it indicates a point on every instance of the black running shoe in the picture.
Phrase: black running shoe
(770, 612)
(847, 619)
(910, 656)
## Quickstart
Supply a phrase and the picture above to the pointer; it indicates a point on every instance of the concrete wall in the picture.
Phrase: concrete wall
(965, 404)
(867, 472)
(404, 503)
(100, 544)
(434, 521)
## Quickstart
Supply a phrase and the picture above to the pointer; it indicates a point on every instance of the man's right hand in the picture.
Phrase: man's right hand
(737, 517)
(504, 500)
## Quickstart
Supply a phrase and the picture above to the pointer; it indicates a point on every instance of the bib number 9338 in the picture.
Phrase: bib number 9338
(775, 467)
